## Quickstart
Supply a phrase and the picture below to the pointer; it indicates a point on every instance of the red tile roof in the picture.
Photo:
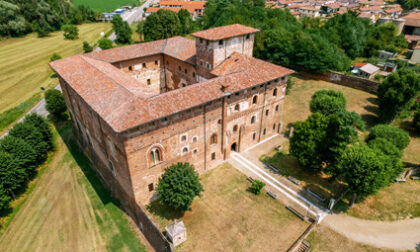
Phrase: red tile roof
(223, 32)
(177, 47)
(393, 10)
(359, 64)
(155, 9)
(412, 19)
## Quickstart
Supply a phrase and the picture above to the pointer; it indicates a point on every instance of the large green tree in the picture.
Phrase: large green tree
(55, 103)
(364, 170)
(12, 175)
(187, 24)
(12, 23)
(397, 94)
(328, 102)
(161, 24)
(178, 186)
(22, 153)
(122, 30)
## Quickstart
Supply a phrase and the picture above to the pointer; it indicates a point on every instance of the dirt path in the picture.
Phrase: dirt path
(403, 234)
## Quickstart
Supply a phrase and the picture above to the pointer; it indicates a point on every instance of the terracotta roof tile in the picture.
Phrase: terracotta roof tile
(155, 9)
(412, 19)
(223, 32)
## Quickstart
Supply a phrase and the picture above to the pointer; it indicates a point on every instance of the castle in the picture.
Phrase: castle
(137, 109)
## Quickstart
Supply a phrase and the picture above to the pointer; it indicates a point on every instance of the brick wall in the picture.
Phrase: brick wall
(346, 80)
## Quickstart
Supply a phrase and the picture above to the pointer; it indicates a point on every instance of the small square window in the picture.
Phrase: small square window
(149, 82)
(156, 62)
(130, 68)
(220, 42)
(183, 138)
(247, 36)
(151, 187)
(144, 64)
(213, 156)
(179, 68)
(186, 71)
(194, 139)
(195, 151)
(277, 108)
(184, 85)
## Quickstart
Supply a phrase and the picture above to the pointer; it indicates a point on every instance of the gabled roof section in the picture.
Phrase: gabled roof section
(240, 63)
(177, 47)
(223, 32)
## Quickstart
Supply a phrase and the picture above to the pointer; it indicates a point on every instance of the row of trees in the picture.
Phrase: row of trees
(19, 17)
(24, 148)
(327, 141)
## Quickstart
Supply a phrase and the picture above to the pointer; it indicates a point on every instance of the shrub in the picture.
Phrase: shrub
(70, 32)
(327, 102)
(86, 47)
(392, 153)
(396, 136)
(4, 200)
(105, 43)
(55, 103)
(55, 57)
(178, 186)
(290, 83)
(21, 151)
(257, 186)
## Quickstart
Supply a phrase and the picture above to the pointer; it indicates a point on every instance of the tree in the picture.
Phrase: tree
(21, 151)
(12, 175)
(178, 186)
(187, 24)
(122, 30)
(396, 136)
(105, 43)
(140, 29)
(392, 152)
(86, 47)
(307, 138)
(397, 94)
(11, 21)
(257, 186)
(416, 120)
(328, 102)
(364, 170)
(42, 125)
(55, 57)
(32, 135)
(55, 103)
(70, 32)
(161, 24)
(290, 83)
(4, 198)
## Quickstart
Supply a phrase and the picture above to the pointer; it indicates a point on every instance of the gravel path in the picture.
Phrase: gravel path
(403, 234)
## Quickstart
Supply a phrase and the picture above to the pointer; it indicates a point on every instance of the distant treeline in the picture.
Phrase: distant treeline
(19, 17)
(311, 44)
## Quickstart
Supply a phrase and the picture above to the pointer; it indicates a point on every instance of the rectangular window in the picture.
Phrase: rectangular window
(266, 112)
(144, 65)
(213, 156)
(130, 68)
(264, 132)
(151, 187)
(149, 82)
(254, 136)
(277, 108)
(220, 42)
(156, 62)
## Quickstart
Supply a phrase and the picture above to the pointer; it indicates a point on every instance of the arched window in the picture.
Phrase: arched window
(252, 119)
(213, 139)
(275, 92)
(155, 156)
(184, 150)
(235, 128)
(254, 99)
(237, 107)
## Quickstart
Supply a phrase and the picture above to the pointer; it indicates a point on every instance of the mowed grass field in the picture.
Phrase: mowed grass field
(398, 201)
(24, 62)
(227, 217)
(69, 210)
(105, 6)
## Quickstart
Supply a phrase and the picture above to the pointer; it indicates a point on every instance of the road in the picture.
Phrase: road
(133, 15)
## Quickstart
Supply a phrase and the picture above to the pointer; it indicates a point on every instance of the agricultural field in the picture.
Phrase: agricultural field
(24, 62)
(67, 209)
(398, 201)
(106, 6)
(227, 215)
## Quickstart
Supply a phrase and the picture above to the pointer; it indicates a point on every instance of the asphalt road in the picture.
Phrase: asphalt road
(133, 15)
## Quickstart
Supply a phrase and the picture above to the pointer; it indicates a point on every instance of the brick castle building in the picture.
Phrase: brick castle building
(139, 108)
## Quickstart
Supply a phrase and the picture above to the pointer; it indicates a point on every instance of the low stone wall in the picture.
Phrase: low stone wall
(345, 80)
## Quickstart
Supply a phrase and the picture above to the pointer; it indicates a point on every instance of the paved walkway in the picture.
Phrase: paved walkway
(403, 234)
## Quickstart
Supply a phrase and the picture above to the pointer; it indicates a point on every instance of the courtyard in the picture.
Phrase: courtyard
(227, 217)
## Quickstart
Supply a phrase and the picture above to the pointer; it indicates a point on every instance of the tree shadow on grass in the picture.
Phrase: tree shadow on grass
(164, 212)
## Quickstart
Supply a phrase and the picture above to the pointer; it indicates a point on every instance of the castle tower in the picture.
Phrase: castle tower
(214, 45)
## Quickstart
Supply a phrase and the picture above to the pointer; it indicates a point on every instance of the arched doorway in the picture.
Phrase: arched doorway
(234, 147)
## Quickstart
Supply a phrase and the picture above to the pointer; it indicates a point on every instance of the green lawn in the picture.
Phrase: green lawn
(106, 6)
(24, 62)
(227, 217)
(68, 209)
